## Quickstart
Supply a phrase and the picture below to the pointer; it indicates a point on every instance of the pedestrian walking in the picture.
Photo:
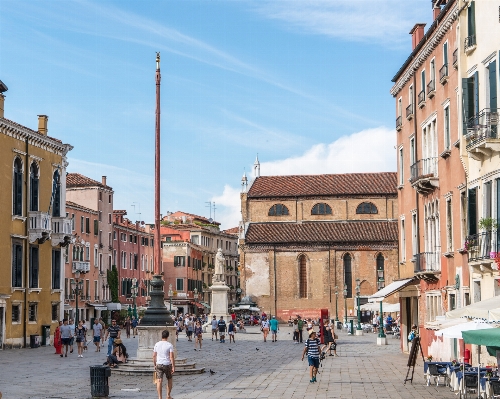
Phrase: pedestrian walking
(112, 332)
(84, 323)
(300, 325)
(65, 336)
(274, 325)
(57, 339)
(375, 323)
(231, 331)
(222, 329)
(81, 337)
(215, 328)
(72, 339)
(265, 328)
(295, 326)
(164, 363)
(97, 334)
(312, 348)
(190, 328)
(330, 340)
(134, 326)
(198, 334)
(127, 326)
(101, 322)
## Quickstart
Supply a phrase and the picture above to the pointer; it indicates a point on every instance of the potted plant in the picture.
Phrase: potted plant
(488, 225)
(429, 358)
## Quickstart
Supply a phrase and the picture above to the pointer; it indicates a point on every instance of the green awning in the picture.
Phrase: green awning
(489, 338)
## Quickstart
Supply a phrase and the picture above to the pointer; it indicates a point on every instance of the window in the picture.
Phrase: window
(189, 261)
(401, 167)
(433, 72)
(100, 216)
(447, 143)
(403, 240)
(179, 261)
(114, 235)
(449, 226)
(17, 264)
(366, 208)
(100, 195)
(17, 188)
(55, 312)
(412, 151)
(124, 260)
(33, 187)
(56, 195)
(16, 313)
(131, 238)
(400, 107)
(410, 95)
(87, 253)
(471, 20)
(32, 312)
(472, 211)
(470, 98)
(452, 302)
(82, 224)
(109, 239)
(87, 225)
(422, 76)
(100, 263)
(96, 227)
(445, 53)
(34, 267)
(109, 199)
(414, 234)
(434, 306)
(135, 261)
(380, 272)
(477, 291)
(321, 209)
(131, 264)
(56, 269)
(179, 286)
(492, 87)
(302, 277)
(142, 262)
(72, 222)
(278, 210)
(348, 275)
(95, 256)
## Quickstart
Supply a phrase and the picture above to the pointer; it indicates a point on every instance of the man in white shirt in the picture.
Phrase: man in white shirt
(164, 363)
(215, 328)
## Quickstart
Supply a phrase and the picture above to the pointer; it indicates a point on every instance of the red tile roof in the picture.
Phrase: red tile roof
(233, 231)
(322, 232)
(325, 185)
(78, 180)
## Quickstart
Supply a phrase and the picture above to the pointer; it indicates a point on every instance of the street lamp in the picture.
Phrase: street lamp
(336, 303)
(196, 298)
(345, 303)
(381, 320)
(76, 286)
(134, 295)
(170, 295)
(358, 289)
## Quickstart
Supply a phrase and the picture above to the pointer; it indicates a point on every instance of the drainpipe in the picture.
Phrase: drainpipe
(275, 288)
(416, 152)
(27, 255)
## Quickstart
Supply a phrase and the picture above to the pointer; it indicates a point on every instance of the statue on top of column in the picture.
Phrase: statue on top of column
(219, 273)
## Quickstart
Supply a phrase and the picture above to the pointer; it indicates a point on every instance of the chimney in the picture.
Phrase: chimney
(417, 33)
(104, 181)
(436, 10)
(42, 124)
(2, 101)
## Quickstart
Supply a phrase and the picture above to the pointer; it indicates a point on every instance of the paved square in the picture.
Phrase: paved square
(363, 370)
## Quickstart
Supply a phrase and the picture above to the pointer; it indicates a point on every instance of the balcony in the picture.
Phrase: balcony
(482, 134)
(61, 231)
(399, 123)
(431, 89)
(455, 59)
(421, 99)
(470, 44)
(427, 266)
(82, 267)
(483, 247)
(424, 175)
(409, 112)
(443, 74)
(39, 226)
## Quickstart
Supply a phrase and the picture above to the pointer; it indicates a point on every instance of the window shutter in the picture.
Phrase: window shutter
(34, 267)
(35, 194)
(56, 210)
(56, 269)
(493, 86)
(476, 93)
(18, 193)
(17, 272)
(445, 54)
(472, 19)
(472, 211)
(465, 103)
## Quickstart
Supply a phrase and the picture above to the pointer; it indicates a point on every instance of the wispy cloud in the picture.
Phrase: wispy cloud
(370, 150)
(387, 21)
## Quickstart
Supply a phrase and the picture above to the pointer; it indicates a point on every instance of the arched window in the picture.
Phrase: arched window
(278, 210)
(348, 274)
(321, 209)
(17, 188)
(56, 195)
(302, 277)
(366, 207)
(34, 187)
(380, 271)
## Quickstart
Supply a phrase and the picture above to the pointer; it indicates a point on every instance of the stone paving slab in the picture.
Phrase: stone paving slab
(363, 370)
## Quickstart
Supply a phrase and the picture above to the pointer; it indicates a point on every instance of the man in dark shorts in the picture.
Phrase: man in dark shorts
(164, 363)
(222, 329)
(113, 332)
(313, 349)
(65, 335)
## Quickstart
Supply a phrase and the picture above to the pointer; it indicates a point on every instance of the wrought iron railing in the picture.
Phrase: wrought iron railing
(409, 110)
(421, 97)
(482, 126)
(443, 72)
(427, 262)
(484, 245)
(470, 41)
(431, 86)
(399, 122)
(423, 168)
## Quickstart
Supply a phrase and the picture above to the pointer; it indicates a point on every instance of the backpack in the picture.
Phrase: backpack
(411, 336)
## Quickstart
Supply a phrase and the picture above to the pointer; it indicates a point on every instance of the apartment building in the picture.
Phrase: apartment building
(34, 231)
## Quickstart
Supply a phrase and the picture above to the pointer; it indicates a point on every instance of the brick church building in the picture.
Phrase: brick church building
(305, 240)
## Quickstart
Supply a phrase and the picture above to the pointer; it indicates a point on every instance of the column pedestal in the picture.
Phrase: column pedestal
(359, 332)
(149, 336)
(381, 341)
(218, 306)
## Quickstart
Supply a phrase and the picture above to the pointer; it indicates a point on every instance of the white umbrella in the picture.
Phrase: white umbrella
(456, 330)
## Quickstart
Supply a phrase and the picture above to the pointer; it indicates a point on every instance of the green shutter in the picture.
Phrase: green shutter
(493, 85)
(471, 19)
(96, 227)
(465, 103)
(476, 93)
(472, 211)
(445, 54)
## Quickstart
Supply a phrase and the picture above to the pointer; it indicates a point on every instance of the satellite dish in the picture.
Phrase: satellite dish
(210, 220)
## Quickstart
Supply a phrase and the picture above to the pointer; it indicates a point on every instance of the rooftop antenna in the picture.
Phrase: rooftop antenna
(139, 205)
(209, 206)
(214, 210)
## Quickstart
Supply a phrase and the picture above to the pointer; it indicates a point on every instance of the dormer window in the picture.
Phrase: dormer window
(366, 208)
(321, 209)
(278, 210)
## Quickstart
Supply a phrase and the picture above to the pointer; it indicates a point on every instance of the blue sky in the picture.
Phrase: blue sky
(305, 84)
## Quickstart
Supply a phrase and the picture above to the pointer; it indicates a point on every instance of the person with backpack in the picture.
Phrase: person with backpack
(300, 325)
(313, 349)
(413, 333)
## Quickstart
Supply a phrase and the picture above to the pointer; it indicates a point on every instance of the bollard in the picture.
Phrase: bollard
(351, 327)
(99, 387)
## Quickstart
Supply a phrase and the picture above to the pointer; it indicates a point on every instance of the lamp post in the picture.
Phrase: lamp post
(134, 295)
(345, 303)
(336, 303)
(358, 289)
(381, 340)
(195, 296)
(77, 286)
(170, 294)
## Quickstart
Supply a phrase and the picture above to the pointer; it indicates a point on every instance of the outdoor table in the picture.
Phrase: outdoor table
(442, 367)
(489, 389)
(484, 388)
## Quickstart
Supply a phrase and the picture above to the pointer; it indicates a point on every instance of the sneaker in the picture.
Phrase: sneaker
(314, 379)
(311, 381)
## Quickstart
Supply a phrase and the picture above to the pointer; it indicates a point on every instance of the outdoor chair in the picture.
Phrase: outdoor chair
(437, 371)
(470, 384)
(495, 388)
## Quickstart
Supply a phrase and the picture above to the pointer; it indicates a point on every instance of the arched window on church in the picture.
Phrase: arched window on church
(302, 277)
(380, 271)
(278, 210)
(321, 209)
(366, 208)
(348, 274)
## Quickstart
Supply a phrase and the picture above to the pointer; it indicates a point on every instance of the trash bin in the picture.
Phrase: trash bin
(339, 325)
(99, 375)
(45, 335)
(351, 327)
(34, 341)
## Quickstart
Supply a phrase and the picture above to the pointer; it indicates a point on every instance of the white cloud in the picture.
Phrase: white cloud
(370, 150)
(388, 21)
